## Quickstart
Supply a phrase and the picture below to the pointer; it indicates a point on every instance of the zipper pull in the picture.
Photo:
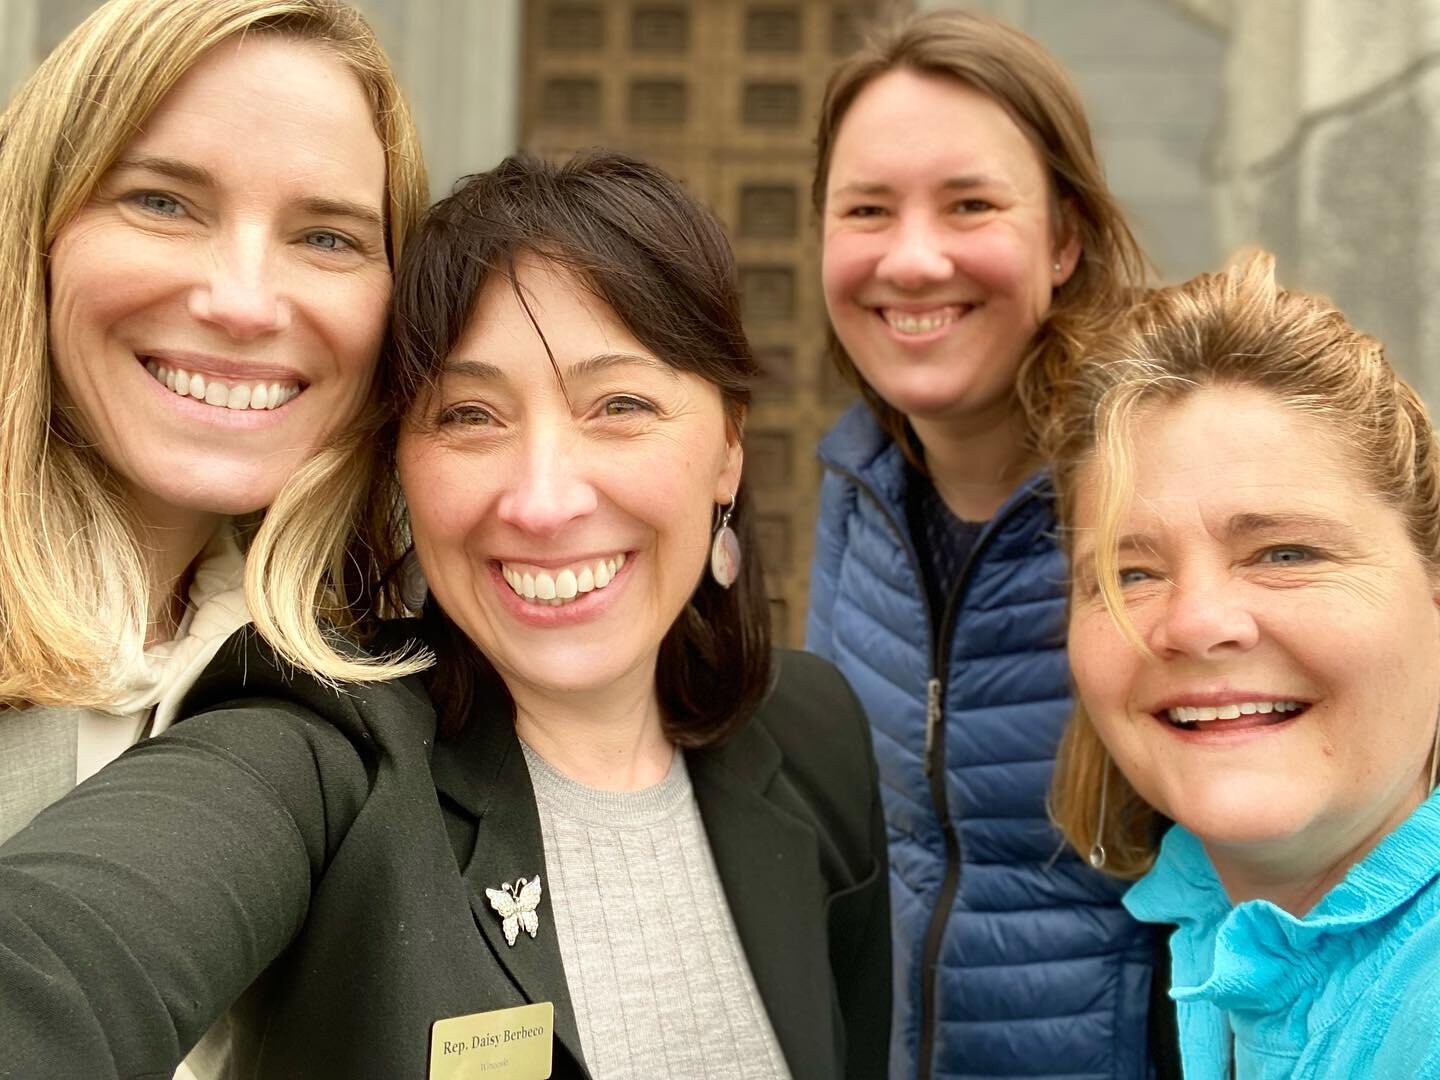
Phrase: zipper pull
(932, 720)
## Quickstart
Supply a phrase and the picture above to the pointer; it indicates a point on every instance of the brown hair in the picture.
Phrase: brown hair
(661, 263)
(1018, 73)
(1234, 329)
(73, 580)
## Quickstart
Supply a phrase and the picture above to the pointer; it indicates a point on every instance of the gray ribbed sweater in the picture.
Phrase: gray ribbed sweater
(658, 978)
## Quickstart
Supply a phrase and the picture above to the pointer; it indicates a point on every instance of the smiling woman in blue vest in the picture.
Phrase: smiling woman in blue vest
(1254, 500)
(607, 803)
(968, 236)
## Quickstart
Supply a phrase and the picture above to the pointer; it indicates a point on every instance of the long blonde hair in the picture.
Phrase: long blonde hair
(1023, 78)
(73, 579)
(1235, 329)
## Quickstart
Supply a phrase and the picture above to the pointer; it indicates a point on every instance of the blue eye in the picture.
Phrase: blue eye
(328, 241)
(1133, 575)
(1287, 555)
(159, 203)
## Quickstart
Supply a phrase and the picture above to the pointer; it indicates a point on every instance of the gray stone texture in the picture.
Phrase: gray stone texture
(1149, 73)
(1327, 154)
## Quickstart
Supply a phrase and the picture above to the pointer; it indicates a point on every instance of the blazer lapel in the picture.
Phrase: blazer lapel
(769, 866)
(484, 772)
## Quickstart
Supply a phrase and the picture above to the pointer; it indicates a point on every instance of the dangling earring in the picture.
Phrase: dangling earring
(1435, 755)
(1097, 849)
(413, 586)
(725, 548)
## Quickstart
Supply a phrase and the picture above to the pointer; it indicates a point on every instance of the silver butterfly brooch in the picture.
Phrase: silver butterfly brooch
(516, 905)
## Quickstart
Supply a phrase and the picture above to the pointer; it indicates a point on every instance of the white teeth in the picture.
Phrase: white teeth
(238, 396)
(567, 585)
(541, 587)
(1193, 714)
(907, 323)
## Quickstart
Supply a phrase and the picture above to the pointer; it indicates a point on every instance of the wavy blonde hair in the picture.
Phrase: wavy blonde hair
(1237, 328)
(1023, 78)
(73, 576)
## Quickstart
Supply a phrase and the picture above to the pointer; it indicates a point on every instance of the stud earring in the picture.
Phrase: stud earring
(725, 548)
(1097, 849)
(1057, 266)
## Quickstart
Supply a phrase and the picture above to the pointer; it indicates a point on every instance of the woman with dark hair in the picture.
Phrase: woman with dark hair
(970, 249)
(624, 834)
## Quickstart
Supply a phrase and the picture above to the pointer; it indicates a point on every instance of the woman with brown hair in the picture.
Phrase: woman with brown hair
(1251, 500)
(970, 248)
(609, 824)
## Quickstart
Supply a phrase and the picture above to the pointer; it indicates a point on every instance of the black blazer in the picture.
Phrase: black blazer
(320, 845)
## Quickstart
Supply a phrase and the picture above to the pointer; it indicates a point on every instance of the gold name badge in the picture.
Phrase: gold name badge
(516, 1044)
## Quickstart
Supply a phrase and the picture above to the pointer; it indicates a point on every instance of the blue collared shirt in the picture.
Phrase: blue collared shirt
(1352, 989)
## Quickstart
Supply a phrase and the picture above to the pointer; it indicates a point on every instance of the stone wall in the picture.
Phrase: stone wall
(1327, 153)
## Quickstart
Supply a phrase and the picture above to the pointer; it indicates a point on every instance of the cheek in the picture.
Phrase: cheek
(846, 262)
(354, 321)
(1103, 666)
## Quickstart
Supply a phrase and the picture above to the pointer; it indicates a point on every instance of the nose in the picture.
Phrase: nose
(240, 293)
(547, 488)
(1204, 619)
(916, 257)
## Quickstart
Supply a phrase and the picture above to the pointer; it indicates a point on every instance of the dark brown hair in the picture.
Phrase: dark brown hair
(661, 263)
(1017, 72)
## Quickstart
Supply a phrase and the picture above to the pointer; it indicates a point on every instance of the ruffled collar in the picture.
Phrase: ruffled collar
(1262, 956)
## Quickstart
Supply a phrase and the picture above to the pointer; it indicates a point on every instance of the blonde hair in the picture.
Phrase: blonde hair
(1238, 329)
(1023, 78)
(73, 575)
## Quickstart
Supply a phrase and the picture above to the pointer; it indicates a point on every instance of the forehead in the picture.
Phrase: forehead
(1221, 452)
(945, 126)
(508, 319)
(272, 103)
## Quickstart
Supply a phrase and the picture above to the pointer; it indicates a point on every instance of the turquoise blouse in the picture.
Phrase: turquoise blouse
(1352, 989)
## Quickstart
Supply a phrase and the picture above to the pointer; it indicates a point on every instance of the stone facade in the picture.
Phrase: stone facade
(1328, 142)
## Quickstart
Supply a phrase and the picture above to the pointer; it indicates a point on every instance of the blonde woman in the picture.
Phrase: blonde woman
(200, 204)
(1252, 501)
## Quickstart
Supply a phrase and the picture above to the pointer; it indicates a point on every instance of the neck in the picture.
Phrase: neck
(1295, 875)
(975, 466)
(171, 540)
(611, 739)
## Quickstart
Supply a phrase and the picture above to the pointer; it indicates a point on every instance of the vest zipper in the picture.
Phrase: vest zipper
(940, 796)
(934, 764)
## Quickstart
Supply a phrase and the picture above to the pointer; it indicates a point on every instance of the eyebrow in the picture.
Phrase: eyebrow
(1247, 524)
(188, 173)
(486, 371)
(965, 182)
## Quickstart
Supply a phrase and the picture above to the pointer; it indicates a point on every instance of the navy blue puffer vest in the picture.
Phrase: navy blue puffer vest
(1012, 957)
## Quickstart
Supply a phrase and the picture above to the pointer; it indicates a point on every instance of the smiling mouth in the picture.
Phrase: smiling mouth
(918, 323)
(556, 588)
(1234, 716)
(222, 393)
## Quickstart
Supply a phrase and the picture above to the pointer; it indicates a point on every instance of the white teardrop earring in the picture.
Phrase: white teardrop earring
(725, 548)
(1097, 849)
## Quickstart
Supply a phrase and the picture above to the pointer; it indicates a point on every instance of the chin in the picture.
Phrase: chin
(1242, 815)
